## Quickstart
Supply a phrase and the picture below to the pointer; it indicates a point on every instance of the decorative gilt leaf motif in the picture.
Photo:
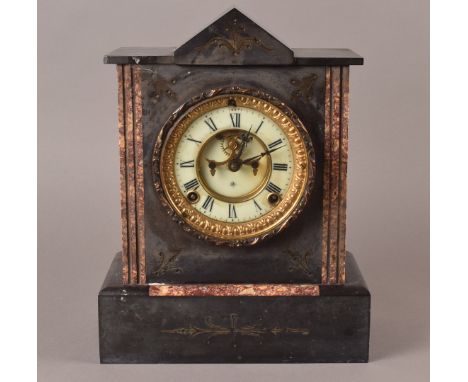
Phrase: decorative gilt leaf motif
(213, 330)
(304, 87)
(235, 42)
(166, 262)
(163, 87)
(300, 260)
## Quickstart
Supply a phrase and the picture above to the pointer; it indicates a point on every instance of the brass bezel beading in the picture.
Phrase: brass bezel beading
(242, 233)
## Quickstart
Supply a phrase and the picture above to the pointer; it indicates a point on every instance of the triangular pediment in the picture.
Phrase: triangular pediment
(233, 39)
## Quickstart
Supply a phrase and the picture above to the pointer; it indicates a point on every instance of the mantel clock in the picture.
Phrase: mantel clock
(233, 159)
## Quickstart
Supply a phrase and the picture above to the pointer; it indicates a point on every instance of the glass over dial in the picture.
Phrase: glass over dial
(235, 167)
(237, 161)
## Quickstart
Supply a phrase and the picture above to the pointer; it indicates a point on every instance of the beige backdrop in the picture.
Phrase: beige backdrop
(79, 229)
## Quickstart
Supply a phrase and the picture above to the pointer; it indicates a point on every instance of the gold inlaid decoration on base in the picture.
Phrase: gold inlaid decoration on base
(211, 329)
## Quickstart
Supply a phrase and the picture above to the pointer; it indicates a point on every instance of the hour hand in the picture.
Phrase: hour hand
(254, 165)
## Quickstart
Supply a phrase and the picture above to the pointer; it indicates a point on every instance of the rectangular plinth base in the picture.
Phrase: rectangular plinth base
(332, 326)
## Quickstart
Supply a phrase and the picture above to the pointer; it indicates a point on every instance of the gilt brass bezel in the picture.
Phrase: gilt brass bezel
(237, 233)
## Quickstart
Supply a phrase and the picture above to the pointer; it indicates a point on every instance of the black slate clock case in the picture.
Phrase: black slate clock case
(200, 261)
(330, 327)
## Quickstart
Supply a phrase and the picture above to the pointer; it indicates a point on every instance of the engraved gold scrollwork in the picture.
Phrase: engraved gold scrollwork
(234, 42)
(234, 234)
(166, 262)
(304, 87)
(301, 261)
(162, 86)
(250, 330)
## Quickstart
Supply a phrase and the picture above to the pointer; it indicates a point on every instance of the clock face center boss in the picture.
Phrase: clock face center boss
(234, 166)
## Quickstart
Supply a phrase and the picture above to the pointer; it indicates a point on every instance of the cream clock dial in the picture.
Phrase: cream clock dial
(232, 178)
(235, 168)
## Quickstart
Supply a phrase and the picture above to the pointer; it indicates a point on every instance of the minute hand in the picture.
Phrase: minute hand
(259, 156)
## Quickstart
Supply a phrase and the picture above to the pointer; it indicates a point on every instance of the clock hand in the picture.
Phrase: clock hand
(212, 163)
(245, 139)
(236, 163)
(253, 161)
(216, 163)
(261, 155)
